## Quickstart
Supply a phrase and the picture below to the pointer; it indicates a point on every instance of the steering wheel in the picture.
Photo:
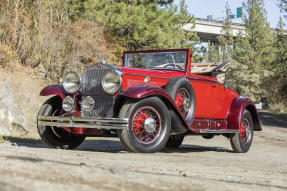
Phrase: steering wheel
(174, 66)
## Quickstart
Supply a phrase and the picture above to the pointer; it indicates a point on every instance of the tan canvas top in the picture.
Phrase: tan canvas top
(202, 68)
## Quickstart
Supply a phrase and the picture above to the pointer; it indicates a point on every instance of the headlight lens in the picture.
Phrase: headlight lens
(72, 82)
(68, 104)
(88, 104)
(112, 82)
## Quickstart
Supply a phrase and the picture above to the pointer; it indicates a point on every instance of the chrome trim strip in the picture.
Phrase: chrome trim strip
(144, 75)
(219, 131)
(80, 122)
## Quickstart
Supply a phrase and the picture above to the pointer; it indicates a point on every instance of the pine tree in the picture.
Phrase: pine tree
(283, 5)
(280, 44)
(213, 55)
(277, 79)
(142, 24)
(225, 39)
(254, 49)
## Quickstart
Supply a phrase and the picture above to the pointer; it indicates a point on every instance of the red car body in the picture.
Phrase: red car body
(219, 109)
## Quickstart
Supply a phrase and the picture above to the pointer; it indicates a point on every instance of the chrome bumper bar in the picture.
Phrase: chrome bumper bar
(81, 122)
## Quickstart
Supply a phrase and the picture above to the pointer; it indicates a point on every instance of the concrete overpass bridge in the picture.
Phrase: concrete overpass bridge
(209, 30)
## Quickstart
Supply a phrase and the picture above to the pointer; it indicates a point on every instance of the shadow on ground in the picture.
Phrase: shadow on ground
(185, 148)
(272, 119)
(111, 146)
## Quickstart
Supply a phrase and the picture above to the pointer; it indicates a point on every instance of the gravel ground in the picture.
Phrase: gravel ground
(104, 164)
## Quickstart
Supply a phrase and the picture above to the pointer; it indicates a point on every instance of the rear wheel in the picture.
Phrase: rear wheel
(149, 125)
(56, 137)
(241, 141)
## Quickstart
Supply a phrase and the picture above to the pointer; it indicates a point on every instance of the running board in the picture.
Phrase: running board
(220, 131)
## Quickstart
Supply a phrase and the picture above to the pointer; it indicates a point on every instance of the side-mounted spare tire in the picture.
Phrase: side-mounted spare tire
(181, 91)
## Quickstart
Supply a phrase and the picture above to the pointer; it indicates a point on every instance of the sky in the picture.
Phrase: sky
(203, 8)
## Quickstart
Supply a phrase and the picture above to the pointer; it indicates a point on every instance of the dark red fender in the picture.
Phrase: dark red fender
(139, 92)
(236, 111)
(53, 90)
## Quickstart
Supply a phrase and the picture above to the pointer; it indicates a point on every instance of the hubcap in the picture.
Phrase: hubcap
(146, 125)
(186, 104)
(182, 101)
(150, 125)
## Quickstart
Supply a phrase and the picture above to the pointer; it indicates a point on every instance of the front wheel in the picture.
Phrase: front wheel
(241, 141)
(56, 137)
(149, 125)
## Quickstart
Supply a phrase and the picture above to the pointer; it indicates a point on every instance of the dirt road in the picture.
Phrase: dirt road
(103, 164)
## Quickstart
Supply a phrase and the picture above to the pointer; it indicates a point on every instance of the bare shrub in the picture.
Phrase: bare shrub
(51, 45)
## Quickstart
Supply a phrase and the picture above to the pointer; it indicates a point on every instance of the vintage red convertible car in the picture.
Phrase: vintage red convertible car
(152, 102)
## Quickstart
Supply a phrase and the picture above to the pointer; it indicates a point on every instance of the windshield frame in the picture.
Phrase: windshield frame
(155, 51)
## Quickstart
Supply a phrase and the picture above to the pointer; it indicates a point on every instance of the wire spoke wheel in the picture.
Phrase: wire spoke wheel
(149, 125)
(245, 132)
(242, 140)
(146, 124)
(182, 92)
(183, 100)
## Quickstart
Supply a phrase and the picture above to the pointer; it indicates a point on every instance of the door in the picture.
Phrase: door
(209, 98)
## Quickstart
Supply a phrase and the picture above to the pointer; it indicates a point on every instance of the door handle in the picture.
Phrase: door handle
(214, 85)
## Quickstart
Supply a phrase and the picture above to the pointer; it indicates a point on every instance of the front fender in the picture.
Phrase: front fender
(236, 110)
(53, 90)
(140, 92)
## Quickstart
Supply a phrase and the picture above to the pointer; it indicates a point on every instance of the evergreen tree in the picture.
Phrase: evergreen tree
(283, 5)
(277, 80)
(280, 44)
(213, 55)
(254, 49)
(245, 81)
(142, 24)
(182, 19)
(226, 37)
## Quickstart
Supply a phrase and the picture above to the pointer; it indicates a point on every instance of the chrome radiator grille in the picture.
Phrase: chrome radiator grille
(91, 84)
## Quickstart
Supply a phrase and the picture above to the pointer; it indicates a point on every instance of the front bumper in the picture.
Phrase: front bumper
(82, 122)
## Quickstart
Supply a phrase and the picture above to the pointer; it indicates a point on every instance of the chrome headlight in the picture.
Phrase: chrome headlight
(88, 104)
(68, 104)
(72, 82)
(112, 82)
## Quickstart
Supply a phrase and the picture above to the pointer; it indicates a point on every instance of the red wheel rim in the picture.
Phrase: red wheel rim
(181, 96)
(245, 132)
(139, 121)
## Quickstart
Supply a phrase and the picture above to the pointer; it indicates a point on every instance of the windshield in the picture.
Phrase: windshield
(157, 60)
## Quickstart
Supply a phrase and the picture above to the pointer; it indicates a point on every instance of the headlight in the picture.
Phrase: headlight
(112, 82)
(68, 104)
(72, 82)
(88, 104)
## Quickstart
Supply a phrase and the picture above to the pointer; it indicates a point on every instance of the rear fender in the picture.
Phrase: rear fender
(140, 92)
(54, 90)
(236, 110)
